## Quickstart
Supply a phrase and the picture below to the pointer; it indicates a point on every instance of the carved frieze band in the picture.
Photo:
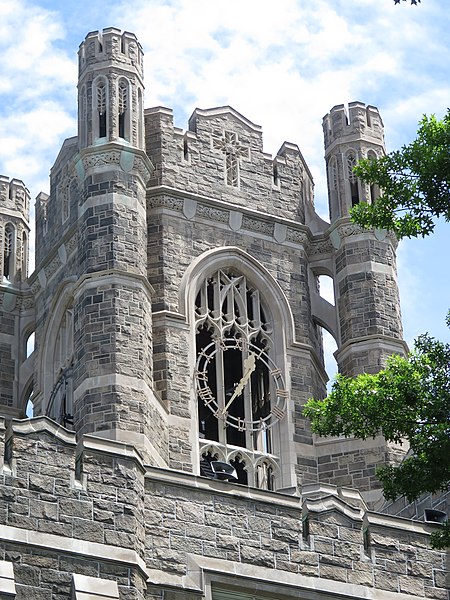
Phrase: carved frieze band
(101, 158)
(277, 231)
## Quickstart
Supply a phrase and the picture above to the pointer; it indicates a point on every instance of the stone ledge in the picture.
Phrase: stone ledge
(56, 543)
(41, 425)
(7, 583)
(204, 571)
(187, 480)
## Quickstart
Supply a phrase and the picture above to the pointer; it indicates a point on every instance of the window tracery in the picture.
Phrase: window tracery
(123, 108)
(234, 151)
(8, 252)
(353, 181)
(60, 406)
(240, 394)
(101, 108)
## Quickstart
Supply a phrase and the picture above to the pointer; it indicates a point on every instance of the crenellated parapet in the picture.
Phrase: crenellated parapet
(232, 148)
(110, 89)
(14, 196)
(356, 122)
(110, 44)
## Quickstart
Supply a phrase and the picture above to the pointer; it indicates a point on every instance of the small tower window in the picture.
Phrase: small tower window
(24, 255)
(123, 106)
(83, 117)
(101, 108)
(374, 189)
(353, 181)
(140, 120)
(8, 253)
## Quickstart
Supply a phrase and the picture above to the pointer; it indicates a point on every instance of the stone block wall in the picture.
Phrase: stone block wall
(195, 162)
(327, 536)
(68, 510)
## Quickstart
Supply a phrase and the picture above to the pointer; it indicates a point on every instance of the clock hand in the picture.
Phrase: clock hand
(249, 367)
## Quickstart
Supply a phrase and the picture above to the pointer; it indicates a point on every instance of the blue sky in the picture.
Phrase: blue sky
(283, 65)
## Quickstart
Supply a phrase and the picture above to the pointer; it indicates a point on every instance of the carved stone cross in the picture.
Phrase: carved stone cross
(230, 146)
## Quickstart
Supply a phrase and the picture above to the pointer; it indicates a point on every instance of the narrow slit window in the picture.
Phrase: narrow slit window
(101, 108)
(123, 109)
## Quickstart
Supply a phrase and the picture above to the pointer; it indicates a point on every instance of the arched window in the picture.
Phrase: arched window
(60, 403)
(124, 109)
(83, 117)
(353, 181)
(374, 189)
(24, 255)
(140, 120)
(100, 116)
(241, 396)
(333, 183)
(8, 252)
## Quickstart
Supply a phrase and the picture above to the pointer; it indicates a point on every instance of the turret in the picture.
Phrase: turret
(15, 301)
(365, 267)
(14, 231)
(348, 138)
(95, 365)
(110, 89)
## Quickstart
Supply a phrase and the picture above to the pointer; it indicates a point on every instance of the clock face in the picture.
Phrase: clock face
(240, 384)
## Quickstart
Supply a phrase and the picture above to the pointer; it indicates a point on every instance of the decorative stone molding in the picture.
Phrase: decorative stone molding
(214, 214)
(101, 158)
(166, 202)
(257, 225)
(297, 236)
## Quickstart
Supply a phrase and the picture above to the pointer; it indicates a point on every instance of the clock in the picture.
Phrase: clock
(240, 384)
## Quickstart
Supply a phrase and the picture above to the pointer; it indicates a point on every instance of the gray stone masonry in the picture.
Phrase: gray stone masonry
(96, 511)
(194, 161)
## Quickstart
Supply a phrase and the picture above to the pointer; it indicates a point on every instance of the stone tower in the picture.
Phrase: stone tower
(97, 376)
(14, 238)
(365, 274)
(366, 320)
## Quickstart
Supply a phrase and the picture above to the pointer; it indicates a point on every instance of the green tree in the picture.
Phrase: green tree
(415, 182)
(409, 400)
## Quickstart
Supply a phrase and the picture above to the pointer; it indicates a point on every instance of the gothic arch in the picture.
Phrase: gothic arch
(232, 257)
(353, 184)
(9, 251)
(100, 109)
(124, 109)
(229, 264)
(82, 103)
(63, 300)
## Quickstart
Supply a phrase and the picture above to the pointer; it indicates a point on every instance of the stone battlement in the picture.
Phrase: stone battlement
(110, 44)
(14, 195)
(359, 120)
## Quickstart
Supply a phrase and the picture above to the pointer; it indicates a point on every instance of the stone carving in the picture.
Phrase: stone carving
(350, 229)
(71, 245)
(52, 267)
(323, 246)
(257, 225)
(228, 143)
(297, 236)
(166, 202)
(4, 188)
(142, 168)
(101, 158)
(214, 214)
